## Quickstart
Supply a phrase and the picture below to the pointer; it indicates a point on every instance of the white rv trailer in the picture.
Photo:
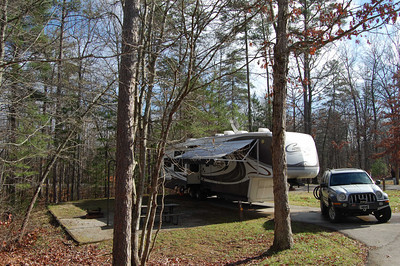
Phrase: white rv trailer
(237, 166)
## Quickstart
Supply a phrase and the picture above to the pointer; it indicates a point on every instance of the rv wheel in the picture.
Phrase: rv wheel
(200, 195)
(192, 193)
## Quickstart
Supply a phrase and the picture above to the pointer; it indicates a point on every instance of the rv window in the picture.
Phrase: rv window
(194, 168)
(178, 165)
(177, 153)
(167, 163)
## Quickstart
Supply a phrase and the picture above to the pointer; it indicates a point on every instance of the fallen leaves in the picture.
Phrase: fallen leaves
(45, 244)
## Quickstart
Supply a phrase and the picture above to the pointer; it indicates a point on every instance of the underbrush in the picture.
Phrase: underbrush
(46, 244)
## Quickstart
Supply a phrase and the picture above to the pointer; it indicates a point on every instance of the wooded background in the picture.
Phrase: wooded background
(59, 64)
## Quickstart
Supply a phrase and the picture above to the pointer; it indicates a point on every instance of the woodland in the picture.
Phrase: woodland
(194, 69)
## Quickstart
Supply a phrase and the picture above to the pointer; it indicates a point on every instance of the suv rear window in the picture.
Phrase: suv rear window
(349, 179)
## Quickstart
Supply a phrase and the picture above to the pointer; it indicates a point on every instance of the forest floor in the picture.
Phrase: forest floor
(209, 235)
(48, 244)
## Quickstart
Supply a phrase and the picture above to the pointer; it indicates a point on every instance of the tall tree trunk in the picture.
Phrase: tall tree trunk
(307, 93)
(265, 37)
(45, 131)
(3, 26)
(79, 172)
(306, 80)
(374, 108)
(12, 120)
(126, 129)
(249, 115)
(283, 238)
(60, 180)
(73, 172)
(57, 121)
(357, 118)
(141, 135)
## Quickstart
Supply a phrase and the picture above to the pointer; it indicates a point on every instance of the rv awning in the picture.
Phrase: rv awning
(214, 151)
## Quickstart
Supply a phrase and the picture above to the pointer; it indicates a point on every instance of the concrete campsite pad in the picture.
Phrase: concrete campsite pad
(72, 217)
(86, 231)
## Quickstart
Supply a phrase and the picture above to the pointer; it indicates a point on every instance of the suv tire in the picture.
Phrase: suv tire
(383, 215)
(324, 209)
(333, 214)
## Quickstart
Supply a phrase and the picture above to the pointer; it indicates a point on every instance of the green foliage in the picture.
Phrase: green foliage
(207, 112)
(262, 113)
(97, 168)
(23, 186)
(30, 142)
(379, 168)
(28, 22)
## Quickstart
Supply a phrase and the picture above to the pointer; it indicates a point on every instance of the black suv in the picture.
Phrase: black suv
(352, 192)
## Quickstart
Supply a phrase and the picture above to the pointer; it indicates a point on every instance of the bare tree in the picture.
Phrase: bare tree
(126, 130)
(283, 232)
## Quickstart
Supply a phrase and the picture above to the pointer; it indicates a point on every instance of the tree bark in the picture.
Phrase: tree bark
(306, 80)
(307, 94)
(249, 115)
(3, 26)
(126, 128)
(283, 232)
(57, 120)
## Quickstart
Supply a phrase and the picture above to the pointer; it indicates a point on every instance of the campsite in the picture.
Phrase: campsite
(118, 117)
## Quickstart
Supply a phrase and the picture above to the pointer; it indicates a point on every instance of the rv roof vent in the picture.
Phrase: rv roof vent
(219, 135)
(242, 131)
(229, 132)
(263, 129)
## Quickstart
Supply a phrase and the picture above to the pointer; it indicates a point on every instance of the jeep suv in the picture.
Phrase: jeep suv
(351, 192)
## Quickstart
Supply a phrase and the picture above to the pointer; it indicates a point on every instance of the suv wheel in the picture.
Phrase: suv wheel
(333, 215)
(324, 209)
(383, 215)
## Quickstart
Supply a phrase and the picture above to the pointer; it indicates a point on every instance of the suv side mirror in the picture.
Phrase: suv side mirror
(378, 182)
